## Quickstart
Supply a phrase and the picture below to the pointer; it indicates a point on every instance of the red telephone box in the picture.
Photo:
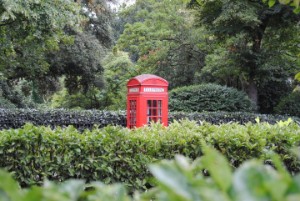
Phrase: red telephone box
(147, 100)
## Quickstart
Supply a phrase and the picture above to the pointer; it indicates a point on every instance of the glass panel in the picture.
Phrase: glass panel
(159, 103)
(154, 110)
(154, 103)
(132, 113)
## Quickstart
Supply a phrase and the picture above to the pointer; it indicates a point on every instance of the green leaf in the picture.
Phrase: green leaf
(218, 168)
(173, 179)
(9, 188)
(271, 3)
(33, 194)
(297, 76)
(255, 182)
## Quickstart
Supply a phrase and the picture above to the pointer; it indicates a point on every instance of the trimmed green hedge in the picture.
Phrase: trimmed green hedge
(209, 97)
(82, 119)
(176, 180)
(229, 117)
(87, 119)
(116, 154)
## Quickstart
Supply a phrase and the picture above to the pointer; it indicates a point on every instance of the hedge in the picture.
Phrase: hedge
(179, 179)
(82, 119)
(229, 117)
(87, 119)
(117, 154)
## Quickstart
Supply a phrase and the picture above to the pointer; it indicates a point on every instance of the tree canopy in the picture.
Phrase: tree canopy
(255, 46)
(79, 54)
(29, 29)
(44, 40)
(160, 39)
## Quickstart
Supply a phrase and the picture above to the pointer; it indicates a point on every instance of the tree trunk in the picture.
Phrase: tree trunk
(252, 91)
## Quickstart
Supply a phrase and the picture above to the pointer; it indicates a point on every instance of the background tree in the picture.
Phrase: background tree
(118, 69)
(80, 63)
(160, 39)
(41, 28)
(255, 47)
(28, 31)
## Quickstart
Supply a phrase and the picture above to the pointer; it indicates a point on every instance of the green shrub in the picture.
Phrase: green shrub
(117, 154)
(209, 97)
(289, 105)
(176, 180)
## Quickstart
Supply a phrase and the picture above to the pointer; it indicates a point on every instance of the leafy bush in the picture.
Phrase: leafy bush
(177, 180)
(117, 154)
(209, 97)
(289, 105)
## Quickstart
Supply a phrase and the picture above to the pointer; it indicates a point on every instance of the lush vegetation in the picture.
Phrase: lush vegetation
(209, 97)
(49, 46)
(217, 56)
(289, 105)
(180, 180)
(80, 54)
(117, 154)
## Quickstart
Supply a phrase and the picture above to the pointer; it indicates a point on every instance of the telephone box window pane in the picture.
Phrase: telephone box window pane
(154, 110)
(132, 113)
(149, 102)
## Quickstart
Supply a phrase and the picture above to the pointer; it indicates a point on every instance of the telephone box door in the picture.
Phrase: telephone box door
(132, 118)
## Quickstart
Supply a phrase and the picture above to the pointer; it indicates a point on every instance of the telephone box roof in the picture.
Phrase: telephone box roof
(147, 79)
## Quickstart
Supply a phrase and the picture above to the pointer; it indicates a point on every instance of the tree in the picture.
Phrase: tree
(81, 63)
(118, 69)
(28, 31)
(160, 39)
(254, 46)
(62, 38)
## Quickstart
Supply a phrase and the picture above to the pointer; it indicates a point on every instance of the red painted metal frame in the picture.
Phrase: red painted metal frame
(143, 90)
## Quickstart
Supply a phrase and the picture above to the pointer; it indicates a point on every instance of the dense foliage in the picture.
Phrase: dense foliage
(209, 97)
(160, 38)
(29, 30)
(47, 41)
(289, 105)
(180, 180)
(59, 54)
(251, 46)
(116, 154)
